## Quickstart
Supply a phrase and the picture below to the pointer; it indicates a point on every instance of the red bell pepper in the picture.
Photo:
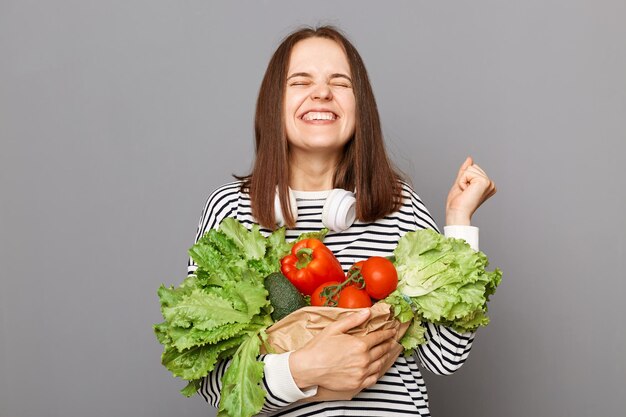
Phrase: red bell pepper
(311, 264)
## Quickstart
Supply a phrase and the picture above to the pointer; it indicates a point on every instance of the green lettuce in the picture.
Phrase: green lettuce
(221, 312)
(403, 311)
(445, 279)
(241, 393)
(413, 337)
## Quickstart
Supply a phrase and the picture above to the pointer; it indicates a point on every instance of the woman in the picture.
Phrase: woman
(317, 129)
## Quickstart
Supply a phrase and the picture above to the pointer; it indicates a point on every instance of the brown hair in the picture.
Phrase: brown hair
(364, 166)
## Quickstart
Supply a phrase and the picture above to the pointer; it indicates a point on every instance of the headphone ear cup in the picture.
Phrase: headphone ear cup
(339, 211)
(278, 211)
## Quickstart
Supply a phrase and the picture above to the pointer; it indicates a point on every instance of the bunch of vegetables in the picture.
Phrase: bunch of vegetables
(245, 282)
(313, 269)
(221, 312)
(366, 282)
(442, 281)
(430, 278)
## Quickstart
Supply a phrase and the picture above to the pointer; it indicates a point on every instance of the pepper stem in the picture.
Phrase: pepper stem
(304, 255)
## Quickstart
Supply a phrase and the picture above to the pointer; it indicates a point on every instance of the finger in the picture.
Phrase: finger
(384, 362)
(473, 176)
(464, 180)
(466, 164)
(480, 169)
(473, 171)
(349, 322)
(381, 350)
(399, 349)
(392, 356)
(370, 381)
(467, 176)
(378, 337)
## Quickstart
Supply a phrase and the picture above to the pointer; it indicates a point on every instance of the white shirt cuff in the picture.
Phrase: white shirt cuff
(279, 379)
(467, 233)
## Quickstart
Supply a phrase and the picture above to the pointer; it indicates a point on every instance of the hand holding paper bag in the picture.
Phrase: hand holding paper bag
(350, 350)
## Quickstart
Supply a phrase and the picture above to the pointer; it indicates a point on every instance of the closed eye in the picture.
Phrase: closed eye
(341, 80)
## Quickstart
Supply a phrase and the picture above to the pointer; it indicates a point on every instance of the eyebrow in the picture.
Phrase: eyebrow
(306, 74)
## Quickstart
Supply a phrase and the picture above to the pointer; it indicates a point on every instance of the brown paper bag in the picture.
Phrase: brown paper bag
(295, 330)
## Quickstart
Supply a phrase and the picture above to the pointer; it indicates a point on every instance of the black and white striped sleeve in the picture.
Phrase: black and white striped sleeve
(421, 217)
(277, 382)
(445, 350)
(212, 384)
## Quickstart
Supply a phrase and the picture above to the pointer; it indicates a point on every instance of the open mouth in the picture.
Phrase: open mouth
(319, 115)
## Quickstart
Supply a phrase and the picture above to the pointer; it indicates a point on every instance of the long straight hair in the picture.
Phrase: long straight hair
(364, 165)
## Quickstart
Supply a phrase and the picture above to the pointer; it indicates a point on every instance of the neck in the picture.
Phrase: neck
(312, 173)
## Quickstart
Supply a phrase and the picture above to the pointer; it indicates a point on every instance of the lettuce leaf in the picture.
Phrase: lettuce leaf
(250, 242)
(242, 394)
(191, 388)
(445, 279)
(413, 337)
(221, 312)
(402, 310)
(190, 364)
(183, 339)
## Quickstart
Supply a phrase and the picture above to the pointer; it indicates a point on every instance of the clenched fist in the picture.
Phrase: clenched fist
(471, 188)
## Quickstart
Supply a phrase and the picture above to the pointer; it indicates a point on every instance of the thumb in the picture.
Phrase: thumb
(349, 322)
(466, 164)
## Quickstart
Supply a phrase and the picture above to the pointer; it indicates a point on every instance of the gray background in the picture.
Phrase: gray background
(117, 118)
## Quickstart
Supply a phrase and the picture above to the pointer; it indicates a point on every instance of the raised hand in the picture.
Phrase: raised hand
(471, 188)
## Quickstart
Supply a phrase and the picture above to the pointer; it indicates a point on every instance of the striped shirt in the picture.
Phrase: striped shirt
(401, 391)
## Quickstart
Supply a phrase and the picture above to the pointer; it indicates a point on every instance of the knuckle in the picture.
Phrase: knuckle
(369, 381)
(361, 346)
(363, 362)
(354, 384)
(379, 368)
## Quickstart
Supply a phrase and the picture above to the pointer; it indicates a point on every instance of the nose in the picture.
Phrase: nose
(322, 92)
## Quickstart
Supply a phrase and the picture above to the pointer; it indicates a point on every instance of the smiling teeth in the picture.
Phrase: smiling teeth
(315, 115)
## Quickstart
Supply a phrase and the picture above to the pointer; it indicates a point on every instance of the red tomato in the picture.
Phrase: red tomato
(352, 297)
(316, 299)
(380, 277)
(354, 268)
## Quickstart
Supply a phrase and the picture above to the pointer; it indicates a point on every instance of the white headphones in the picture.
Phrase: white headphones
(338, 214)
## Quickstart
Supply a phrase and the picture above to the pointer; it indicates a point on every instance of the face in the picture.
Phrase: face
(319, 109)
